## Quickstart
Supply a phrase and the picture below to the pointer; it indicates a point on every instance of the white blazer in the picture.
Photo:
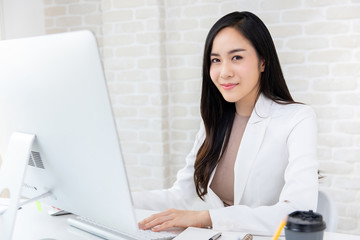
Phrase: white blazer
(275, 172)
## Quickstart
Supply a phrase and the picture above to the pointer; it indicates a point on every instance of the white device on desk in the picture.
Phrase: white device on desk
(53, 92)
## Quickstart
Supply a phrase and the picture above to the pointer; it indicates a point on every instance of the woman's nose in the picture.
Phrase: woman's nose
(226, 71)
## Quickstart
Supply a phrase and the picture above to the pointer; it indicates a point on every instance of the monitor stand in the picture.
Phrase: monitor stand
(12, 174)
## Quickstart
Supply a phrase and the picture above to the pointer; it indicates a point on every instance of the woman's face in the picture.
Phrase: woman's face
(235, 67)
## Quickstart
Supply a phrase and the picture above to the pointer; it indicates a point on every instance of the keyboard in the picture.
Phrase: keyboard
(107, 233)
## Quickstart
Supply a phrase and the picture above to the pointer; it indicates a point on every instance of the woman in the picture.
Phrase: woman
(254, 158)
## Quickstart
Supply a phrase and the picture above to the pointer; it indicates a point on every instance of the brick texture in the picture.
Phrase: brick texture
(152, 53)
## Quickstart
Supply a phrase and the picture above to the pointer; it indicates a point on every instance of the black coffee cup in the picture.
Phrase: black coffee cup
(302, 225)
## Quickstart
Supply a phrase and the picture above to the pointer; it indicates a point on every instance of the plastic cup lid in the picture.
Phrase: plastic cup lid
(305, 221)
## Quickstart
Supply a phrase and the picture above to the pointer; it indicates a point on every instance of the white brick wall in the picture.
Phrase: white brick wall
(152, 53)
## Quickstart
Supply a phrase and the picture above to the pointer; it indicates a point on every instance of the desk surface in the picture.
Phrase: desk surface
(34, 225)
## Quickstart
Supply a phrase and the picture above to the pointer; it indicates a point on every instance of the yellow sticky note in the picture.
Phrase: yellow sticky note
(38, 206)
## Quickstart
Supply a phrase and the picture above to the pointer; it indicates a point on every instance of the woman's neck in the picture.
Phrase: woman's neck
(245, 107)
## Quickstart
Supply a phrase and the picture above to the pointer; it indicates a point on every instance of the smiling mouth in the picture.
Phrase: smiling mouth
(229, 86)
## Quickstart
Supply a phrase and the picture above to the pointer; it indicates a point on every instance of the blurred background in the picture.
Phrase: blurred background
(152, 56)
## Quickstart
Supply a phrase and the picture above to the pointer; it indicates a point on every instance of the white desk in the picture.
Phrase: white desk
(34, 225)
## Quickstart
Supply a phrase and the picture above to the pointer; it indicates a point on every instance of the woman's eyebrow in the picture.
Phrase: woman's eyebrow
(236, 50)
(230, 52)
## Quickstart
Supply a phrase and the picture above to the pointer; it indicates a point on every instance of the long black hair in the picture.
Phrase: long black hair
(218, 114)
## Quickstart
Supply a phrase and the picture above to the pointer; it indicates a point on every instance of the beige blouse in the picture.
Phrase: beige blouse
(223, 181)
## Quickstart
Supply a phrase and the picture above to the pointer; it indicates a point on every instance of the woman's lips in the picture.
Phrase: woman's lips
(229, 86)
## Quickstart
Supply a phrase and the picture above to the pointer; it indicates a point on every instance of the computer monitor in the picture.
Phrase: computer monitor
(53, 86)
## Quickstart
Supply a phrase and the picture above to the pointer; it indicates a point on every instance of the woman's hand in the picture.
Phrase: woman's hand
(176, 218)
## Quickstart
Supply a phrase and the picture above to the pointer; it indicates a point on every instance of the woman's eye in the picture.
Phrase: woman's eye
(236, 58)
(215, 60)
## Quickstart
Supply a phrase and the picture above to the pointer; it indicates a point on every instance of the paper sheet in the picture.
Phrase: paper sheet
(4, 203)
(196, 233)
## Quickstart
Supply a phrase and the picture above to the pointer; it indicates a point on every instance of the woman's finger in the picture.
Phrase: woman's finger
(157, 221)
(176, 218)
(147, 220)
(154, 220)
(156, 215)
(163, 226)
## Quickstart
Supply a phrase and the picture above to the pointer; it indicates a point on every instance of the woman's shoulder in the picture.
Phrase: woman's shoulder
(266, 107)
(292, 110)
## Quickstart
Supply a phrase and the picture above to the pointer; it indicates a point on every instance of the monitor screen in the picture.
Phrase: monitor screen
(54, 87)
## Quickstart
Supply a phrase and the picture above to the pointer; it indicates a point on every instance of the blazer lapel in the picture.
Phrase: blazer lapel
(250, 145)
(211, 197)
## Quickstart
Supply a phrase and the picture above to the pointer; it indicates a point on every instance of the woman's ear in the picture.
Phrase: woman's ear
(262, 65)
